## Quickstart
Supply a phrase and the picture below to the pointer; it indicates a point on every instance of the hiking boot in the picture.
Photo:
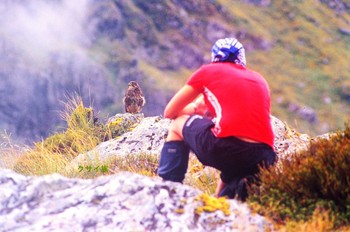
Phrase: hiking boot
(237, 188)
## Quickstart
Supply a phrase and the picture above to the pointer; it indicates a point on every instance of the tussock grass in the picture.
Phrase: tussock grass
(83, 133)
(9, 151)
(320, 221)
(40, 161)
(144, 164)
(201, 177)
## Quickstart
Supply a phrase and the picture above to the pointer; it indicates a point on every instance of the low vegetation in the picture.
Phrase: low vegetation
(83, 133)
(307, 192)
(312, 183)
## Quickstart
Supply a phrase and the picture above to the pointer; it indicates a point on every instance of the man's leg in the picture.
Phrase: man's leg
(237, 186)
(175, 130)
(175, 152)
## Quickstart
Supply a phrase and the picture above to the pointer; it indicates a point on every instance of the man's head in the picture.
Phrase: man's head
(228, 50)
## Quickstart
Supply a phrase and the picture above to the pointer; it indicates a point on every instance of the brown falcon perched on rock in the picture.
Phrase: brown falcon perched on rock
(133, 99)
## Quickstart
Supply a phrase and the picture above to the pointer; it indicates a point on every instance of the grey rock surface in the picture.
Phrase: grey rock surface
(287, 140)
(148, 137)
(122, 202)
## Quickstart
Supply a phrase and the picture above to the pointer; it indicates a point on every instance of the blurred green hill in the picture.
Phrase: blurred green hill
(301, 47)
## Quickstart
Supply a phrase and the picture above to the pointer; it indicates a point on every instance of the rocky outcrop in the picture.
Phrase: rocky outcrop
(128, 201)
(287, 140)
(148, 137)
(123, 202)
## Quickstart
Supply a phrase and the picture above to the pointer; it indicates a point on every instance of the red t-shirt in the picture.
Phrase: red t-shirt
(238, 98)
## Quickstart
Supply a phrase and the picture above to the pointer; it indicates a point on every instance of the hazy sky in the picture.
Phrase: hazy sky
(38, 27)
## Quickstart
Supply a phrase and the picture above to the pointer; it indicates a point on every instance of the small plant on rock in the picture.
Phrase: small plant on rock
(121, 123)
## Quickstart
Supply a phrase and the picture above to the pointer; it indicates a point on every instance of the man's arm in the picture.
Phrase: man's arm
(180, 103)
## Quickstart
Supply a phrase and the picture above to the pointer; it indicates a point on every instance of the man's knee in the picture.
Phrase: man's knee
(175, 130)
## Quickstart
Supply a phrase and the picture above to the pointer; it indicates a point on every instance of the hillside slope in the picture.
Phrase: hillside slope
(94, 48)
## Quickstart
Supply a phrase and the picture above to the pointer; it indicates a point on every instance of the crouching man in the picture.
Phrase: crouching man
(228, 128)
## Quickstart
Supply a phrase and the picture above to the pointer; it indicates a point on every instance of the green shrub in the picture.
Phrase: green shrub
(314, 179)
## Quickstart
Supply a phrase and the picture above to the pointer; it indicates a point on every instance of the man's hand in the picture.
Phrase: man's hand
(180, 103)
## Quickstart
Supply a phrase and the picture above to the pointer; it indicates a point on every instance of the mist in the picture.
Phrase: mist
(38, 28)
(44, 56)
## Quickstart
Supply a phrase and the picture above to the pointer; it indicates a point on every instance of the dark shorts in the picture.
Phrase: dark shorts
(233, 157)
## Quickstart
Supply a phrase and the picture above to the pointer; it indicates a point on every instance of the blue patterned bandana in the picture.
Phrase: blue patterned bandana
(228, 49)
